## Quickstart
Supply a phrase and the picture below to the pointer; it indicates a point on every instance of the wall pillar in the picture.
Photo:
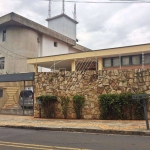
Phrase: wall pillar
(73, 65)
(36, 68)
(100, 64)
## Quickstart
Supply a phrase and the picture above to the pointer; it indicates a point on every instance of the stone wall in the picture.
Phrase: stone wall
(91, 84)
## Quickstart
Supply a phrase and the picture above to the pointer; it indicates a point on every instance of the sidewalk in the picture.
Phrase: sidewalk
(92, 126)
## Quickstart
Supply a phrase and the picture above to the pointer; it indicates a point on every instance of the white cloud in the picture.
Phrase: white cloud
(100, 25)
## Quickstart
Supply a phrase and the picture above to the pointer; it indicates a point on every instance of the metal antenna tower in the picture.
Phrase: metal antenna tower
(49, 9)
(63, 6)
(75, 13)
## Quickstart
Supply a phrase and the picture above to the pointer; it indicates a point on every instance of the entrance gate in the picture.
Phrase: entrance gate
(14, 97)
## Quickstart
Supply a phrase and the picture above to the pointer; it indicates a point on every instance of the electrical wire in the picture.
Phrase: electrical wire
(111, 1)
(13, 52)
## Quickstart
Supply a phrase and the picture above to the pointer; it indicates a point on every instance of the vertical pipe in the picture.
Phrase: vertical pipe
(33, 94)
(145, 113)
(23, 97)
(54, 64)
(120, 60)
(142, 60)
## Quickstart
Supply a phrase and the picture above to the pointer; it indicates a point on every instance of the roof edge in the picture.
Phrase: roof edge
(61, 15)
(35, 26)
(121, 47)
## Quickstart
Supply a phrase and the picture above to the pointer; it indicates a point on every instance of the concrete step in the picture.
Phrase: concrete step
(12, 106)
(17, 112)
(16, 109)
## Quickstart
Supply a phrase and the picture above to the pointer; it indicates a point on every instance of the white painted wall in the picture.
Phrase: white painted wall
(73, 50)
(28, 43)
(64, 26)
(48, 47)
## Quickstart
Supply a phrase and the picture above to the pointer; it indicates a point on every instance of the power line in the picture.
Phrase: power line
(106, 2)
(111, 1)
(13, 52)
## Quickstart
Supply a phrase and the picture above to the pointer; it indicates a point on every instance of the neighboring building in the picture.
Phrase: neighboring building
(22, 38)
(128, 57)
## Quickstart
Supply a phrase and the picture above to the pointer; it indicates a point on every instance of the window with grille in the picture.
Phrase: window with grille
(136, 60)
(116, 61)
(147, 59)
(2, 60)
(107, 62)
(125, 61)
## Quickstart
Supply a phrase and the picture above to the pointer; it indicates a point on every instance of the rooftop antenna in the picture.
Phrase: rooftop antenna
(75, 13)
(63, 6)
(49, 9)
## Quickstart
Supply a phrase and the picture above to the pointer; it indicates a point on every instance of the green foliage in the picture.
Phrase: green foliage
(64, 105)
(78, 103)
(48, 104)
(120, 106)
(51, 79)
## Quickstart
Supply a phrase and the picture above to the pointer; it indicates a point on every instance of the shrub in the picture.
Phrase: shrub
(120, 106)
(64, 105)
(48, 104)
(78, 103)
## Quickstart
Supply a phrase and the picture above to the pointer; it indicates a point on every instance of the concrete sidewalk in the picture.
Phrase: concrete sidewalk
(93, 126)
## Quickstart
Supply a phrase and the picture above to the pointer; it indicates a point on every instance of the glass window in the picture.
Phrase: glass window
(4, 36)
(147, 59)
(116, 62)
(136, 60)
(55, 44)
(125, 61)
(2, 63)
(107, 62)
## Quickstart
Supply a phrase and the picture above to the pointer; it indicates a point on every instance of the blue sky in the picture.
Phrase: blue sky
(100, 25)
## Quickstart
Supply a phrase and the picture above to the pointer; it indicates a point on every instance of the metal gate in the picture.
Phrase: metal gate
(17, 94)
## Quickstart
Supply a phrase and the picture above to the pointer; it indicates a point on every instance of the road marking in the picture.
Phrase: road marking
(24, 147)
(34, 146)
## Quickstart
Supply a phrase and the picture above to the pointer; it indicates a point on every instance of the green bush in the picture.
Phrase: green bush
(64, 105)
(48, 104)
(120, 106)
(78, 103)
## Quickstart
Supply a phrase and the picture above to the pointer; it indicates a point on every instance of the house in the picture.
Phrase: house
(21, 38)
(128, 57)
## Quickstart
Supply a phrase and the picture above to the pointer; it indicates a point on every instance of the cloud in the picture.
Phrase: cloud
(100, 25)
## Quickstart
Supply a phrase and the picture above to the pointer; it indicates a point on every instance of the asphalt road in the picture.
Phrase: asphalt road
(23, 139)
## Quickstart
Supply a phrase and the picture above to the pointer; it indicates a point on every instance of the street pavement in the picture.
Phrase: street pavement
(128, 127)
(22, 139)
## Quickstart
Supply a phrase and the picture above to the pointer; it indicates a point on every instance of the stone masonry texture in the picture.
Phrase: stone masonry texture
(91, 84)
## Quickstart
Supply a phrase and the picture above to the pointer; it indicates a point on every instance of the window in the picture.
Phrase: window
(55, 44)
(4, 36)
(2, 62)
(125, 61)
(107, 62)
(116, 62)
(136, 60)
(147, 59)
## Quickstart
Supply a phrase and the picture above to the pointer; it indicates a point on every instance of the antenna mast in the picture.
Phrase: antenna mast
(63, 6)
(49, 9)
(75, 13)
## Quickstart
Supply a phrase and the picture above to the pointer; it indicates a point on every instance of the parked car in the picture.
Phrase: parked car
(27, 97)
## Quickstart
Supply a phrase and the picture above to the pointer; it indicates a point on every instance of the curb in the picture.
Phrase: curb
(84, 130)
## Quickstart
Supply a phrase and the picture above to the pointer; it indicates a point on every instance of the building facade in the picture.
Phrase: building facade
(21, 38)
(129, 57)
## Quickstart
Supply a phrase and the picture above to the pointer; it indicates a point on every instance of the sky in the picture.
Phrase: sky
(100, 25)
